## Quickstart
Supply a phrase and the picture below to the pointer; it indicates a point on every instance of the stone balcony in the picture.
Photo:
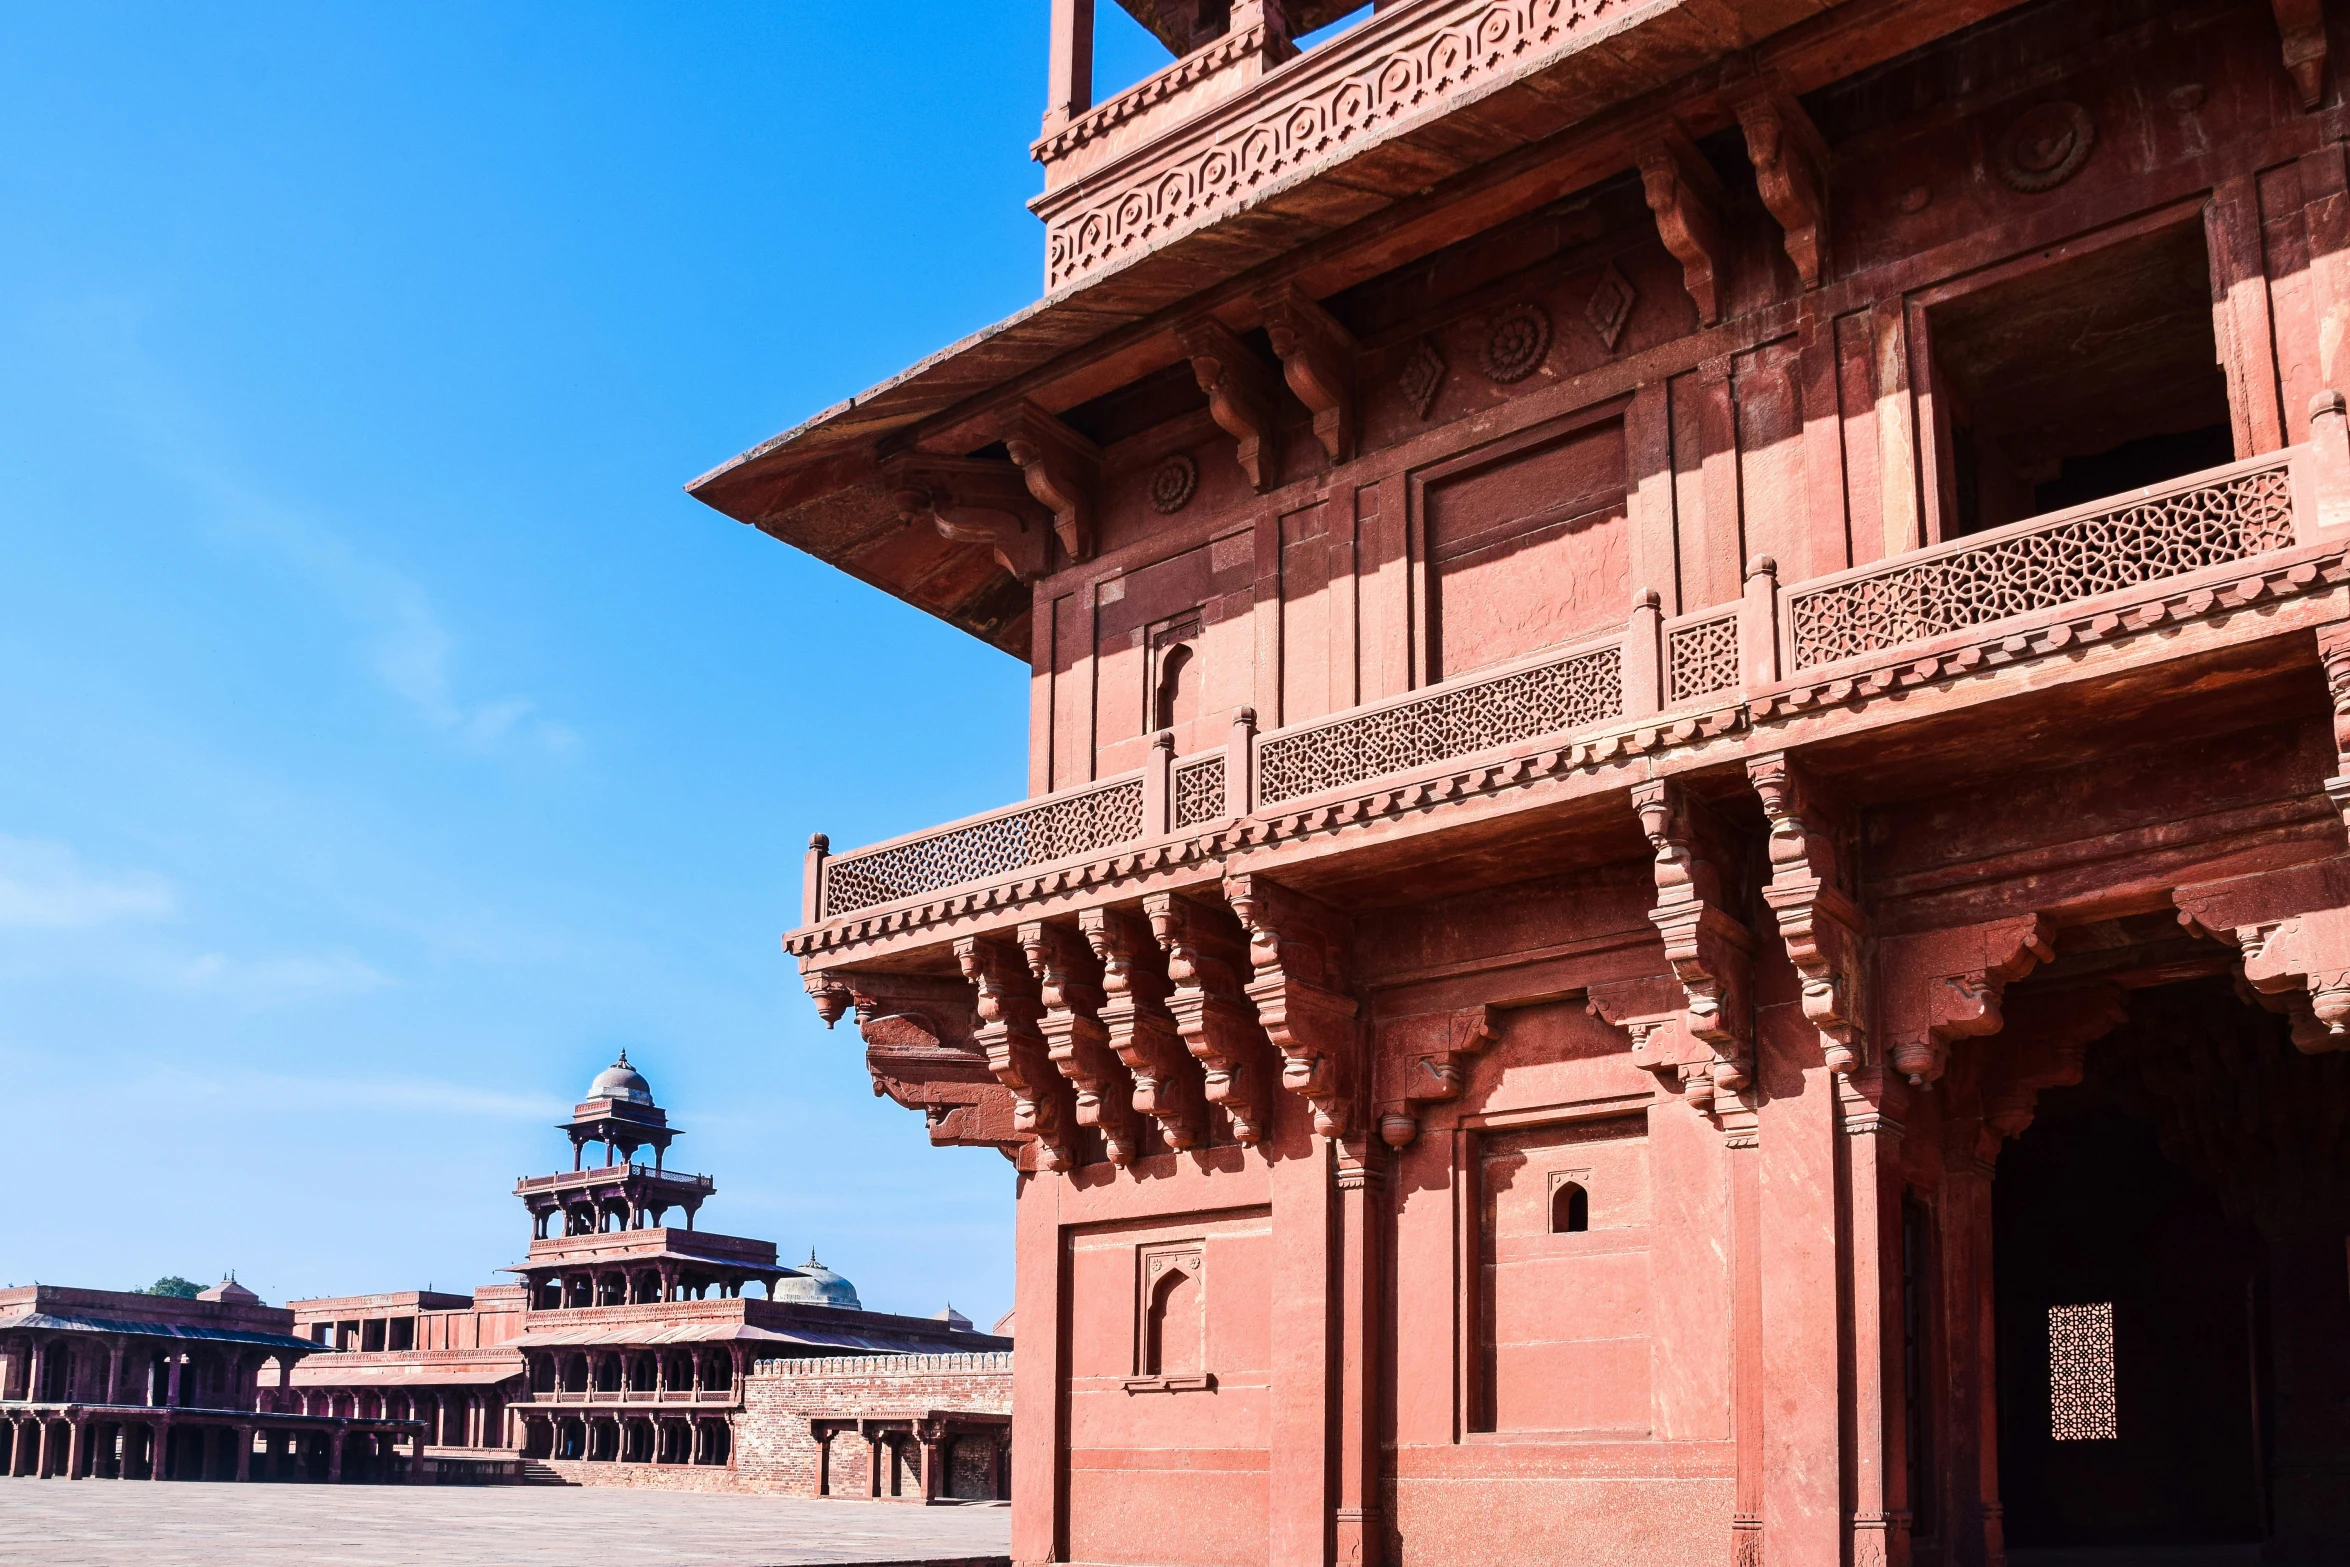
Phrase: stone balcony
(2230, 554)
(1245, 122)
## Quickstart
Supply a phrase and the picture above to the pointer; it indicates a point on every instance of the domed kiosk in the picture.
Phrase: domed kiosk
(818, 1285)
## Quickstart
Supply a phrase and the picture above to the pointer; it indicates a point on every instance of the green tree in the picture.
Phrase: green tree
(172, 1284)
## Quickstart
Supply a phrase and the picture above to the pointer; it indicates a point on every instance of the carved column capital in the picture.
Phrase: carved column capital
(1239, 388)
(2303, 25)
(1685, 195)
(2293, 927)
(1819, 922)
(1296, 952)
(1009, 1010)
(1206, 959)
(1318, 359)
(972, 500)
(1791, 170)
(1063, 470)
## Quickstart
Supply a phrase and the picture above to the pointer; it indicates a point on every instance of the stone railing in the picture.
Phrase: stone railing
(1406, 67)
(1830, 629)
(1562, 692)
(1021, 837)
(2168, 530)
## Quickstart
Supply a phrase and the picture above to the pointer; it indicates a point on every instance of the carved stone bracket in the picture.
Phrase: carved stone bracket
(1068, 977)
(1318, 358)
(919, 1046)
(1239, 388)
(2047, 1038)
(1009, 1008)
(1709, 950)
(1064, 472)
(2293, 927)
(1167, 1083)
(1686, 196)
(2333, 651)
(1649, 1011)
(2303, 24)
(1433, 1051)
(973, 500)
(1296, 950)
(1810, 893)
(1206, 959)
(1942, 985)
(1791, 170)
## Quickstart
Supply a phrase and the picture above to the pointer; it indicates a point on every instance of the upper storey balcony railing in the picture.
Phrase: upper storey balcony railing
(1244, 115)
(569, 1180)
(2210, 542)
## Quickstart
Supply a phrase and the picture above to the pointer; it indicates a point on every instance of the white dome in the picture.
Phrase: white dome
(818, 1285)
(621, 1081)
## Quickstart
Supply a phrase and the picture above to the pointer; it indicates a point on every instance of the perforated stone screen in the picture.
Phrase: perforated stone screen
(2080, 1373)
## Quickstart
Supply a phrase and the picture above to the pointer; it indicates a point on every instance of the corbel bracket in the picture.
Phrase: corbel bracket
(1064, 473)
(1791, 170)
(1649, 1011)
(2046, 1040)
(1433, 1051)
(1818, 921)
(1942, 985)
(1709, 951)
(1686, 196)
(972, 500)
(1240, 392)
(919, 1046)
(1296, 952)
(1009, 1008)
(2303, 24)
(1206, 958)
(1318, 359)
(1068, 978)
(2333, 651)
(1167, 1083)
(2293, 927)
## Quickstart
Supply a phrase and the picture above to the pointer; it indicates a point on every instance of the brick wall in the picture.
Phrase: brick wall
(774, 1452)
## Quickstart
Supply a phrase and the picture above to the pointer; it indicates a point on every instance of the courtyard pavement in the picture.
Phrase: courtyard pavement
(86, 1523)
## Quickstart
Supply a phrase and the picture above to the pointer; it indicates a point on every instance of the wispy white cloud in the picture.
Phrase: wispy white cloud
(292, 977)
(44, 886)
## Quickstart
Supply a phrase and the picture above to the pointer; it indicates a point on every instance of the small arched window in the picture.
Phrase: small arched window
(1570, 1209)
(1171, 1345)
(1174, 702)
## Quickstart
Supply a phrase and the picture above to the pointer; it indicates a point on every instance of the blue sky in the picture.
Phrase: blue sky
(385, 739)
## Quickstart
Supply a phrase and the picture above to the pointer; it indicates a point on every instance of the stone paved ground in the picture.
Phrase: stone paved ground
(110, 1523)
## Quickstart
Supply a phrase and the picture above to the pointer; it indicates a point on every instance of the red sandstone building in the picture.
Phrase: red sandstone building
(1685, 894)
(633, 1353)
(113, 1385)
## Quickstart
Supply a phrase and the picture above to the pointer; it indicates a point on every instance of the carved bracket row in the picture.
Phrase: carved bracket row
(1685, 195)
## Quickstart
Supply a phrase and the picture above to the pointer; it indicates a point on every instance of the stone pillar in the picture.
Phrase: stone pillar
(37, 1371)
(159, 1451)
(1356, 1525)
(1872, 1102)
(244, 1440)
(114, 1354)
(1038, 1413)
(933, 1446)
(77, 1445)
(171, 1394)
(334, 1458)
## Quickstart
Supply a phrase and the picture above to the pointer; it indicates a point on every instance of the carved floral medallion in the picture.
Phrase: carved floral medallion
(2045, 147)
(1173, 483)
(1517, 345)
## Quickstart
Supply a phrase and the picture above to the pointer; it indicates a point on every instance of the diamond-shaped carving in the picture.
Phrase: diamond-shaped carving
(1610, 306)
(1423, 377)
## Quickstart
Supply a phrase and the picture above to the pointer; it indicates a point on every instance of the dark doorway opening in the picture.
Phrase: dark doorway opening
(2131, 1368)
(2086, 378)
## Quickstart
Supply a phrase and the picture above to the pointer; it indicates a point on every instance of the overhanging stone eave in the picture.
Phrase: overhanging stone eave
(1103, 324)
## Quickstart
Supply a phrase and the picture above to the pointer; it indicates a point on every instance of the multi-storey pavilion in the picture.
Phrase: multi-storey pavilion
(108, 1384)
(628, 1343)
(1685, 895)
